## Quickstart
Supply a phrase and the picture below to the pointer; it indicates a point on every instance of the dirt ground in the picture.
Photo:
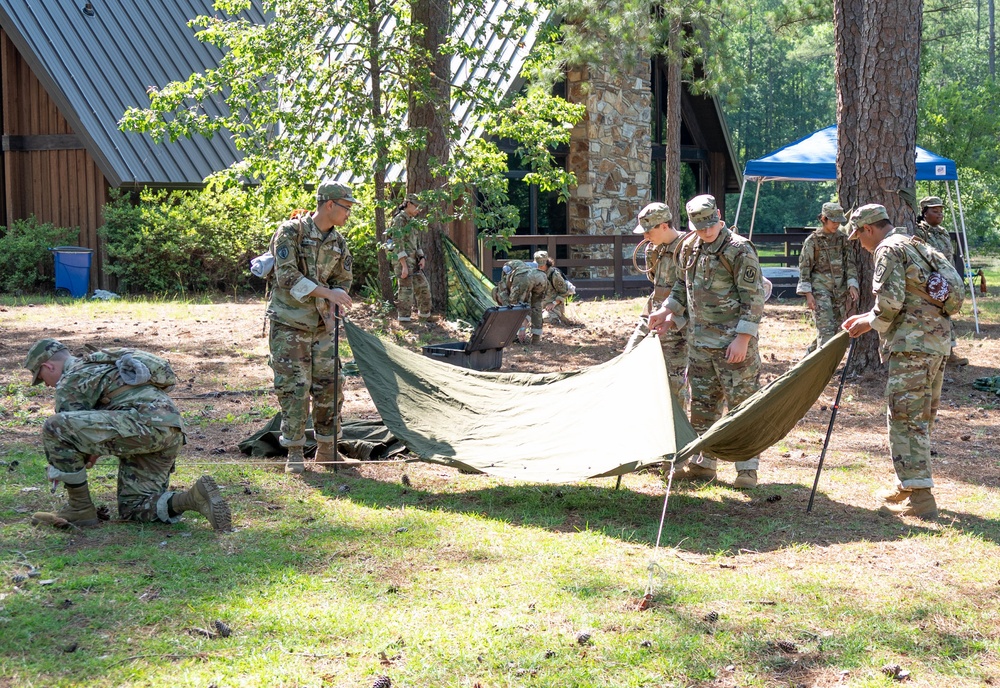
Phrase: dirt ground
(219, 352)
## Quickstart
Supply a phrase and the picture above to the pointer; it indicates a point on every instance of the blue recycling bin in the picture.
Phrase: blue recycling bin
(72, 269)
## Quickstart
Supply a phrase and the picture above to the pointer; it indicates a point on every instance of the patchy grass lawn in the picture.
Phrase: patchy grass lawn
(445, 579)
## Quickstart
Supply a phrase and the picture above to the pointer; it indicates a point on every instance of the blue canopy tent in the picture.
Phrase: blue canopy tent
(814, 159)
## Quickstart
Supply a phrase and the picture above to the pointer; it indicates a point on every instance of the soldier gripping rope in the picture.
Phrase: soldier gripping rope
(113, 402)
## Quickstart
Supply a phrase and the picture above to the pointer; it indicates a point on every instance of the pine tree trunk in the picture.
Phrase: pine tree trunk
(672, 164)
(878, 74)
(379, 171)
(430, 114)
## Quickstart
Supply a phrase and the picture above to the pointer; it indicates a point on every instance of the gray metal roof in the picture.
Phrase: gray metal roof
(94, 67)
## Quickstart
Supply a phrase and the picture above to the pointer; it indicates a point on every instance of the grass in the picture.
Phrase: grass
(458, 580)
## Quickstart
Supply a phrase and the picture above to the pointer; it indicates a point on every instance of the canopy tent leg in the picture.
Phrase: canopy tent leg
(753, 215)
(739, 204)
(963, 248)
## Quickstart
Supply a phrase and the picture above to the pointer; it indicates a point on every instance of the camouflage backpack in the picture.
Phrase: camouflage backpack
(942, 285)
(136, 367)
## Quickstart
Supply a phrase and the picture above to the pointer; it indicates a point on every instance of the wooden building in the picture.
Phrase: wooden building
(68, 71)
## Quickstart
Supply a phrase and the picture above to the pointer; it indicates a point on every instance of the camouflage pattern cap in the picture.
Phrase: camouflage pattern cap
(930, 202)
(835, 212)
(702, 212)
(541, 257)
(866, 215)
(652, 215)
(330, 190)
(38, 354)
(412, 198)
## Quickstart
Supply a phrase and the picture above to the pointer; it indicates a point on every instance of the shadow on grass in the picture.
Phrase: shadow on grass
(707, 519)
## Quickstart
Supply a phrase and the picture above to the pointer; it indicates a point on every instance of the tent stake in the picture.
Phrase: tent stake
(829, 429)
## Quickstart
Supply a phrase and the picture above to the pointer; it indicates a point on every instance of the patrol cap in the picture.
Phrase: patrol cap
(702, 212)
(835, 212)
(38, 354)
(866, 215)
(330, 190)
(930, 202)
(541, 256)
(652, 215)
(412, 198)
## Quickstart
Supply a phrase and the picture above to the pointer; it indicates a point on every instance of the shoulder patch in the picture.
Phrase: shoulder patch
(750, 273)
(282, 252)
(879, 272)
(349, 262)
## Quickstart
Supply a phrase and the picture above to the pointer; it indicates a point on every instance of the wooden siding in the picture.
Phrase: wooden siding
(56, 184)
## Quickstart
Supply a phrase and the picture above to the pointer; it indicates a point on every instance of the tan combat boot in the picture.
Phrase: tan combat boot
(79, 511)
(693, 471)
(746, 478)
(295, 463)
(328, 457)
(536, 339)
(920, 504)
(205, 498)
(894, 496)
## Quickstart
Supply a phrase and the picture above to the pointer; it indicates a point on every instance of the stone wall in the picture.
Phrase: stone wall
(610, 155)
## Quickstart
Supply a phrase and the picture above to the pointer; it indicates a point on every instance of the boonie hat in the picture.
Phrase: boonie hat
(702, 212)
(38, 354)
(866, 215)
(930, 202)
(835, 212)
(331, 190)
(652, 215)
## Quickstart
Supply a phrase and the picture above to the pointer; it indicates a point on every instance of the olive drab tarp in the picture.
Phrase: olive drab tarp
(767, 416)
(470, 293)
(562, 427)
(551, 427)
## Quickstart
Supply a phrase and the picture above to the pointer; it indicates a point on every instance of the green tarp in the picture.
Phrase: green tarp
(562, 427)
(556, 427)
(470, 293)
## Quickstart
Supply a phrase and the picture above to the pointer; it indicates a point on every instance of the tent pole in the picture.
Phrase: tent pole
(963, 249)
(739, 204)
(753, 215)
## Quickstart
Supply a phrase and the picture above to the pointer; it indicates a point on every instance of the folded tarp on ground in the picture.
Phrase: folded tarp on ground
(365, 440)
(562, 427)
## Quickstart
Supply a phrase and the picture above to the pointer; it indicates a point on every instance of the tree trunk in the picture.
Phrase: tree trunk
(990, 7)
(672, 164)
(379, 171)
(430, 112)
(878, 74)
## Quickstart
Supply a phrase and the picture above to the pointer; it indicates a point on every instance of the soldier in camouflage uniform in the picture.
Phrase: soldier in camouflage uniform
(721, 292)
(930, 230)
(312, 270)
(554, 303)
(915, 337)
(656, 226)
(98, 414)
(828, 275)
(408, 262)
(525, 283)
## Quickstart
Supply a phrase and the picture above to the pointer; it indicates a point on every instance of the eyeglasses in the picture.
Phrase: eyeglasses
(345, 207)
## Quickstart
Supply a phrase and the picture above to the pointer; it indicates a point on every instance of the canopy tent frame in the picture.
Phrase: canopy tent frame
(814, 159)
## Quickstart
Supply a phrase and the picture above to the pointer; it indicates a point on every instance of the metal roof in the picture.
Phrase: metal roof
(95, 67)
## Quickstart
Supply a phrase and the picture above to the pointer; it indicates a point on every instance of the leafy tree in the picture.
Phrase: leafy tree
(333, 80)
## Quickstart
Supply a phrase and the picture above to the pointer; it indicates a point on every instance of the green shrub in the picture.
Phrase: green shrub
(188, 240)
(26, 265)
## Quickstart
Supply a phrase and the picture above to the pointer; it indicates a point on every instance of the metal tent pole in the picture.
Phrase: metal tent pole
(963, 249)
(739, 203)
(753, 215)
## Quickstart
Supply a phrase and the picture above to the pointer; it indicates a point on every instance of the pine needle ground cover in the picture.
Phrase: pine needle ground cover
(428, 577)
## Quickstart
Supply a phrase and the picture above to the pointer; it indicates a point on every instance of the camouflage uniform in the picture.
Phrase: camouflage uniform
(555, 293)
(719, 288)
(302, 352)
(915, 337)
(404, 235)
(663, 273)
(827, 270)
(526, 284)
(98, 414)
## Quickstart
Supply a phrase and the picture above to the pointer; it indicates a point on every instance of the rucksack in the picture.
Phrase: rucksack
(943, 285)
(136, 367)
